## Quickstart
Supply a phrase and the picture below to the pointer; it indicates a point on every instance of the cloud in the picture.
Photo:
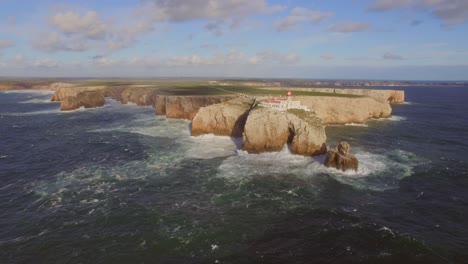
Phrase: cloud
(5, 44)
(391, 56)
(88, 25)
(183, 10)
(273, 57)
(218, 58)
(76, 32)
(416, 22)
(348, 27)
(451, 12)
(386, 5)
(11, 21)
(327, 56)
(53, 42)
(45, 63)
(300, 15)
(215, 28)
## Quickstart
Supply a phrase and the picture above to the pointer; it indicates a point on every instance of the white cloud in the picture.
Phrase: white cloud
(215, 28)
(385, 5)
(5, 44)
(327, 56)
(45, 63)
(218, 58)
(451, 12)
(88, 25)
(53, 42)
(183, 10)
(392, 56)
(300, 15)
(348, 27)
(273, 57)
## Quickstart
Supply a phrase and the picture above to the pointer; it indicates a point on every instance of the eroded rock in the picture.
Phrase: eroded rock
(341, 159)
(227, 118)
(268, 129)
(87, 99)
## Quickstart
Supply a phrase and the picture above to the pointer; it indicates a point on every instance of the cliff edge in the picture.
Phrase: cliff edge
(227, 118)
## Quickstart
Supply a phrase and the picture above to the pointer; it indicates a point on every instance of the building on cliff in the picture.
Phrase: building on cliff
(283, 104)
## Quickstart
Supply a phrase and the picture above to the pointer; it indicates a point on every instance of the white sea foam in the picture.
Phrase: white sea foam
(210, 146)
(393, 118)
(42, 112)
(397, 118)
(386, 168)
(37, 101)
(29, 91)
(244, 166)
(356, 124)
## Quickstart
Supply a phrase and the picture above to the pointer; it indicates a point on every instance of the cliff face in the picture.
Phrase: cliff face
(138, 95)
(160, 105)
(64, 91)
(186, 107)
(227, 118)
(87, 99)
(342, 110)
(267, 129)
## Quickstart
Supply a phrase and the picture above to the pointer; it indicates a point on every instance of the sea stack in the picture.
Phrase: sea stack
(341, 159)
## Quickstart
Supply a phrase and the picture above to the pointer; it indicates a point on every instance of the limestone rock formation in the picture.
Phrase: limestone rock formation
(66, 91)
(139, 95)
(160, 105)
(84, 99)
(227, 118)
(343, 110)
(186, 107)
(392, 96)
(268, 129)
(341, 159)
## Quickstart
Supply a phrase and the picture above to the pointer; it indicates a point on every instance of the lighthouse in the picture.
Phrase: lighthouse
(289, 95)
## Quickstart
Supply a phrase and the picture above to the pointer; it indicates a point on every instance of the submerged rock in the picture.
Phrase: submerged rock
(341, 159)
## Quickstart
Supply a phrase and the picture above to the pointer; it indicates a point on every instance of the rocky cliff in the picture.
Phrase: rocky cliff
(160, 105)
(87, 99)
(63, 91)
(342, 110)
(227, 118)
(392, 96)
(186, 107)
(268, 129)
(138, 95)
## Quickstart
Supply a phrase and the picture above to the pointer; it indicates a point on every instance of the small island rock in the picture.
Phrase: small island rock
(341, 159)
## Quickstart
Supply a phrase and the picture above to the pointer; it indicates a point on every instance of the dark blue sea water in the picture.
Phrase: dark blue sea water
(118, 185)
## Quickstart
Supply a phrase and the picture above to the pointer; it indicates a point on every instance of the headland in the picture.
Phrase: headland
(266, 115)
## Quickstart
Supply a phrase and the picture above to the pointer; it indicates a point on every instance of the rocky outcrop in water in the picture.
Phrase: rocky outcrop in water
(227, 118)
(87, 99)
(341, 159)
(268, 129)
(64, 91)
(343, 110)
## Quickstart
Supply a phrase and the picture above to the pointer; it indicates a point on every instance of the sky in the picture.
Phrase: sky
(327, 39)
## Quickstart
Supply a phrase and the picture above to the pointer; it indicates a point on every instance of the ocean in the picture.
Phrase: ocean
(117, 184)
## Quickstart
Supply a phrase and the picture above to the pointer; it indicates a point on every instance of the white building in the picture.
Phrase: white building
(283, 104)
